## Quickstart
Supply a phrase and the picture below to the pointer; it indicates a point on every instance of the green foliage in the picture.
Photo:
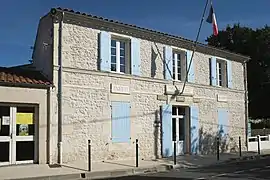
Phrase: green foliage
(256, 44)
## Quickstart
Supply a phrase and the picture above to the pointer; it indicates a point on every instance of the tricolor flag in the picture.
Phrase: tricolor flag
(212, 19)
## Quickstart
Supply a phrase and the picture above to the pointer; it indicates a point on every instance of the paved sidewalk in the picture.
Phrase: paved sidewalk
(78, 170)
(73, 171)
(191, 161)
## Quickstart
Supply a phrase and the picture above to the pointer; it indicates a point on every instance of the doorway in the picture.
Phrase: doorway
(178, 128)
(17, 132)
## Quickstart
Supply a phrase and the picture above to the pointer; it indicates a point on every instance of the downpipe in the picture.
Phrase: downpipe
(246, 101)
(60, 72)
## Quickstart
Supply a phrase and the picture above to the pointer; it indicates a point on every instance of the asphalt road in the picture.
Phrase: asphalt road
(252, 169)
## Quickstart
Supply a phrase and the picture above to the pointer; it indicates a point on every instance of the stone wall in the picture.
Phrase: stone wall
(87, 97)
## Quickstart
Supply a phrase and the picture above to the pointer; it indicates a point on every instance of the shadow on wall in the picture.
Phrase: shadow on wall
(154, 56)
(208, 142)
(156, 134)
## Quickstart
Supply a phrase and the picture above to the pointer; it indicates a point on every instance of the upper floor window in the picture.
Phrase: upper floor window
(179, 65)
(221, 73)
(120, 56)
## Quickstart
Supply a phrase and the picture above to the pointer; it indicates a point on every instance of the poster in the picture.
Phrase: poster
(23, 130)
(24, 118)
(5, 120)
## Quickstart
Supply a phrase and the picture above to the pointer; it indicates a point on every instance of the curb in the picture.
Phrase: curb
(102, 174)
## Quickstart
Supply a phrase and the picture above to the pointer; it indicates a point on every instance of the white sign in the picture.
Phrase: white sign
(120, 89)
(5, 120)
(172, 90)
(221, 98)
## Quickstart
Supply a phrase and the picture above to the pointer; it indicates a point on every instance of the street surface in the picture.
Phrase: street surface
(252, 169)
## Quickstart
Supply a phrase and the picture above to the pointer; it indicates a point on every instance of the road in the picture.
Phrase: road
(253, 169)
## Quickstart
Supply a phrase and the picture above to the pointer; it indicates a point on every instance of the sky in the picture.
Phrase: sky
(19, 18)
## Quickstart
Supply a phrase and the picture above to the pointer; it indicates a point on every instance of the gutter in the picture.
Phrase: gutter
(246, 101)
(49, 90)
(26, 85)
(60, 71)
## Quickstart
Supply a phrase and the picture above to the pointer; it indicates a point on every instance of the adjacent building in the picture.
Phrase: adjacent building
(115, 83)
(24, 115)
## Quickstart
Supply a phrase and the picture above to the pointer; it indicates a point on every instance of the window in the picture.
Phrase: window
(179, 61)
(221, 73)
(120, 56)
(178, 123)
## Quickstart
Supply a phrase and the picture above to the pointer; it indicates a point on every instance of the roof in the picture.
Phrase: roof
(17, 76)
(174, 37)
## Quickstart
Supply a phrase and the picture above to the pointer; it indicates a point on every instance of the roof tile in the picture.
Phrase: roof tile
(17, 75)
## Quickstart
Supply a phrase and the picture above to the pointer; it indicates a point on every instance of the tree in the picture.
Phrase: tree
(256, 44)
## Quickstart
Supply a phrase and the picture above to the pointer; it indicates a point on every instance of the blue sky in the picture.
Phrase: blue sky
(19, 18)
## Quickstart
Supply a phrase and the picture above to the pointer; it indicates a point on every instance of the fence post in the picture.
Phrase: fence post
(259, 144)
(89, 155)
(174, 152)
(137, 153)
(240, 147)
(218, 148)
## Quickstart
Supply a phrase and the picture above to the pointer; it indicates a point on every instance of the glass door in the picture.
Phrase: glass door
(17, 129)
(24, 140)
(5, 135)
(178, 128)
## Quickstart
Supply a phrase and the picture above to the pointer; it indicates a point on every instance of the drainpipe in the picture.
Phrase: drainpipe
(60, 91)
(48, 124)
(246, 100)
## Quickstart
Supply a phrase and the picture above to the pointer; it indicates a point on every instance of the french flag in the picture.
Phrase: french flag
(212, 20)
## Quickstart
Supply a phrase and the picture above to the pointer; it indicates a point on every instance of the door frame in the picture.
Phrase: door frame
(12, 138)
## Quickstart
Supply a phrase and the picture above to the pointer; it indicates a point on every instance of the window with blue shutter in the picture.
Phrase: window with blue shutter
(135, 57)
(168, 64)
(229, 73)
(191, 73)
(120, 126)
(194, 129)
(105, 51)
(222, 121)
(167, 149)
(213, 71)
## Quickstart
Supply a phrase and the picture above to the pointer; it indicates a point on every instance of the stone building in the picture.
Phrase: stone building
(115, 83)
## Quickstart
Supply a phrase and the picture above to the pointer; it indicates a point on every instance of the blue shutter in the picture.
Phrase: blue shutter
(213, 71)
(194, 129)
(105, 51)
(191, 73)
(120, 121)
(229, 73)
(222, 122)
(168, 65)
(135, 57)
(167, 149)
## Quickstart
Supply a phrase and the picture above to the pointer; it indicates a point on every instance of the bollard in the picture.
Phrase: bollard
(240, 148)
(137, 153)
(218, 148)
(89, 155)
(259, 148)
(174, 152)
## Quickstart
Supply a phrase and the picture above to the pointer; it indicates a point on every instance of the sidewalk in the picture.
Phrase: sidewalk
(190, 161)
(78, 170)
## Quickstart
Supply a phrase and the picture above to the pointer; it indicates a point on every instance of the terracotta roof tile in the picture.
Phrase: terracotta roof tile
(17, 75)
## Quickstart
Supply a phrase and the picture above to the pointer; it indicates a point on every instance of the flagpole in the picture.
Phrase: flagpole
(195, 44)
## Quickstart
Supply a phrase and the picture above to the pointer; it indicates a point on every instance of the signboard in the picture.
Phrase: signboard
(120, 89)
(5, 120)
(24, 118)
